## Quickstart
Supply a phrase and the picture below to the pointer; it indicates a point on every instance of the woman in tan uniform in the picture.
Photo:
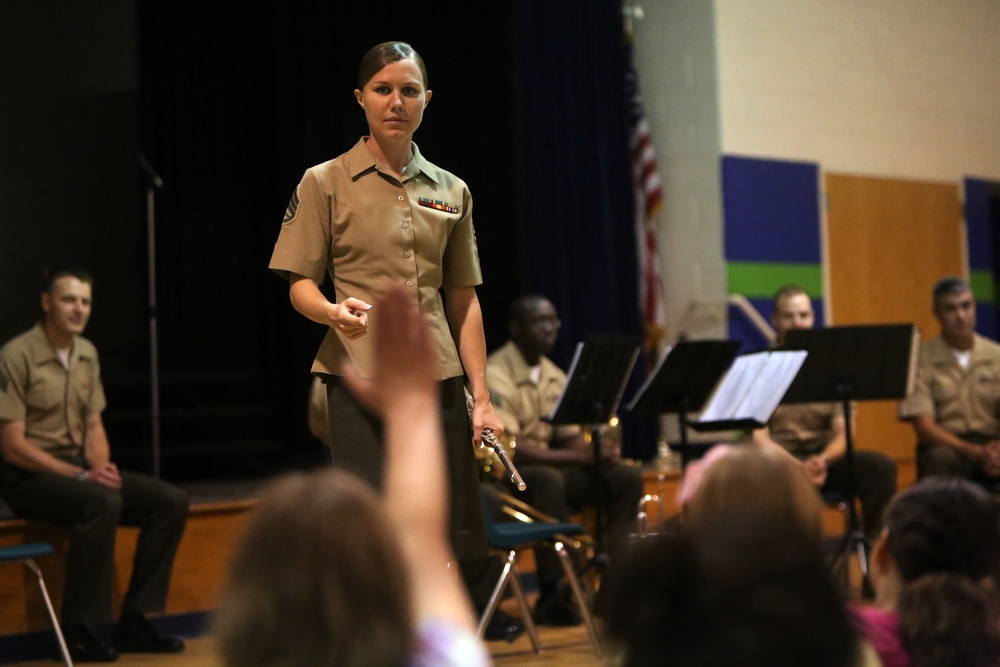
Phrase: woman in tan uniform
(381, 215)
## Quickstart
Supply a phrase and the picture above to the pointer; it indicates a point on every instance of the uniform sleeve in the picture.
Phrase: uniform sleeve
(920, 402)
(460, 267)
(303, 244)
(13, 381)
(98, 401)
(502, 394)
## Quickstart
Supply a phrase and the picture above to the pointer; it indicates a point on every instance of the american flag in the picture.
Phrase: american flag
(648, 200)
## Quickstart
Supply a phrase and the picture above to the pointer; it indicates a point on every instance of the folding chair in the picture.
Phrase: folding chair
(508, 539)
(25, 553)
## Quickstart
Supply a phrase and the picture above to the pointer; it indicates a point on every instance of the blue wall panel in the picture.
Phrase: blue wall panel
(978, 225)
(771, 210)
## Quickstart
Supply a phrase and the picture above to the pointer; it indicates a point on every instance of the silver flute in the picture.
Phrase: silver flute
(490, 438)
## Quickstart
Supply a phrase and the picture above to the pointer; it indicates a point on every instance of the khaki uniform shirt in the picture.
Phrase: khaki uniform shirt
(520, 403)
(352, 218)
(805, 429)
(52, 401)
(961, 400)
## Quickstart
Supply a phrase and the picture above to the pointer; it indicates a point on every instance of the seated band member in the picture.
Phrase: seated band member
(814, 433)
(555, 461)
(59, 470)
(955, 408)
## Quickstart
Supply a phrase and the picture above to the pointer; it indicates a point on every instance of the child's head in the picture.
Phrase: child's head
(318, 570)
(751, 479)
(943, 525)
(736, 588)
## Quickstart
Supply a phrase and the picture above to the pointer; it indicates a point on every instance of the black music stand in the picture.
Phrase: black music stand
(854, 363)
(596, 380)
(682, 381)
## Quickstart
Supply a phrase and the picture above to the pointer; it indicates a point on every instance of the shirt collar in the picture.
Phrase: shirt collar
(42, 351)
(360, 161)
(940, 352)
(519, 367)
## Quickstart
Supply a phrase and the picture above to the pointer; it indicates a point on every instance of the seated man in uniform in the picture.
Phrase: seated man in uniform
(59, 470)
(814, 433)
(555, 462)
(955, 407)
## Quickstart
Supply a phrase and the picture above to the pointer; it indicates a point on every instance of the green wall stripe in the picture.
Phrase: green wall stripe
(983, 286)
(763, 279)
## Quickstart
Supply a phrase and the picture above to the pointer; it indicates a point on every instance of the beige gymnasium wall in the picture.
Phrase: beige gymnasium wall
(887, 88)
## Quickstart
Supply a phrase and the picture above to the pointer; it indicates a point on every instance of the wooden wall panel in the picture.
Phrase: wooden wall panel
(888, 241)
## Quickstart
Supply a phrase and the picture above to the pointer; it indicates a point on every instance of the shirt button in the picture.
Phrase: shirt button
(406, 254)
(409, 283)
(405, 226)
(400, 197)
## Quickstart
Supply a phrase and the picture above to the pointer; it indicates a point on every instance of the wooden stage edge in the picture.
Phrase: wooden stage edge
(213, 529)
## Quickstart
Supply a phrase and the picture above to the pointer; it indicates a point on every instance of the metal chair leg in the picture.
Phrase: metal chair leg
(859, 547)
(510, 575)
(581, 599)
(642, 516)
(529, 622)
(63, 649)
(495, 597)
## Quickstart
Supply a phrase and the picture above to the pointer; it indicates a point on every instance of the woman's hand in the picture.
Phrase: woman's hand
(404, 360)
(350, 317)
(484, 416)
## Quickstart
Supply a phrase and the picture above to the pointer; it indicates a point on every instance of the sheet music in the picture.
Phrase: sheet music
(778, 373)
(734, 386)
(753, 387)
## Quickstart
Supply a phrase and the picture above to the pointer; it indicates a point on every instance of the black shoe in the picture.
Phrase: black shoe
(503, 627)
(556, 610)
(134, 634)
(85, 647)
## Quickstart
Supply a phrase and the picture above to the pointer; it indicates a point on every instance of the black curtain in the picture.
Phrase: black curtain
(237, 99)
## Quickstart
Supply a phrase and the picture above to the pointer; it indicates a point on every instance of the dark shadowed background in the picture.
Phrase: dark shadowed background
(230, 102)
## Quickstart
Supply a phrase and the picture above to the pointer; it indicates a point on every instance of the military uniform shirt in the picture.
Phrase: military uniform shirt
(351, 217)
(805, 429)
(961, 400)
(53, 402)
(521, 403)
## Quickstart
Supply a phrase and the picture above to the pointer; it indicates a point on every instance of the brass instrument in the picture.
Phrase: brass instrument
(491, 439)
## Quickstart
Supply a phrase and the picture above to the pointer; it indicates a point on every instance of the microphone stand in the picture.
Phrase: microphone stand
(153, 183)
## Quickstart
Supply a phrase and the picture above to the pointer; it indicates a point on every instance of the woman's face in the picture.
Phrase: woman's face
(394, 101)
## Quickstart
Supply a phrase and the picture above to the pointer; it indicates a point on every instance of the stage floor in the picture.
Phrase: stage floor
(561, 646)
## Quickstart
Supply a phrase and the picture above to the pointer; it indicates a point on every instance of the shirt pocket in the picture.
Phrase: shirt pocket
(944, 389)
(985, 386)
(45, 398)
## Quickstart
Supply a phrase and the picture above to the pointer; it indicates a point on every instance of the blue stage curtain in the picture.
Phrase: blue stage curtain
(578, 208)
